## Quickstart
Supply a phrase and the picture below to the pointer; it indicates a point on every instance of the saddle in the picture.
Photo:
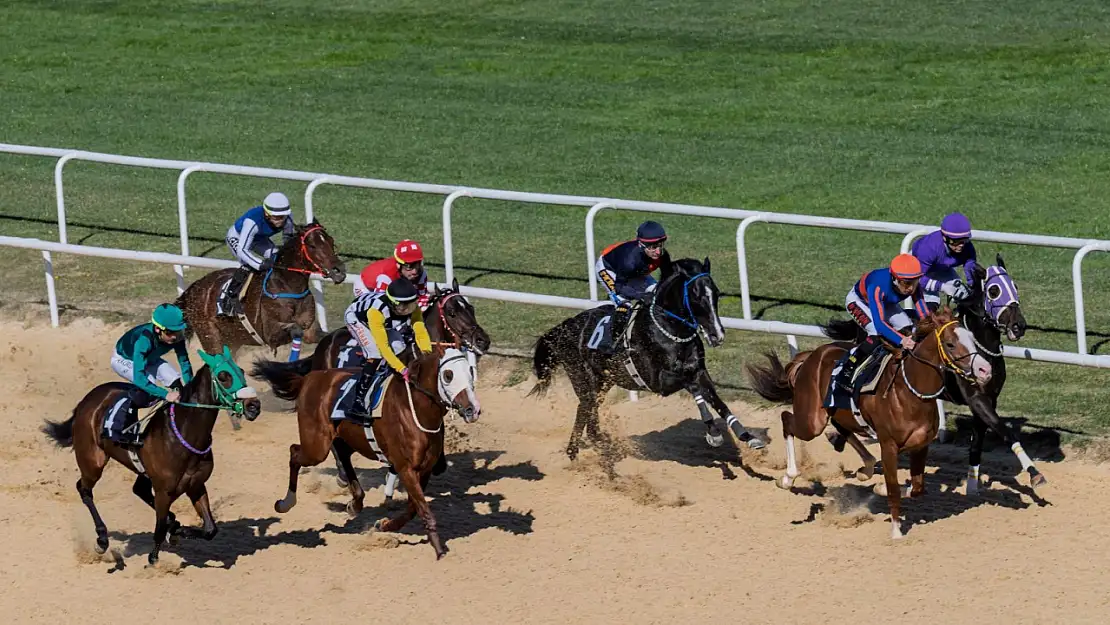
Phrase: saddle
(865, 380)
(346, 399)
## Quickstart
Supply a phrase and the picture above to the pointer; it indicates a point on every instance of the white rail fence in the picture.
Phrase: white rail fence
(745, 219)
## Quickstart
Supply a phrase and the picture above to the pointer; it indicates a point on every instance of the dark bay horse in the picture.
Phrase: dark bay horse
(901, 412)
(277, 304)
(409, 432)
(664, 348)
(992, 309)
(449, 317)
(176, 455)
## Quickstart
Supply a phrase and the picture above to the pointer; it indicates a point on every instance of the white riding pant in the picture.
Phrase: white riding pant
(158, 372)
(370, 349)
(260, 247)
(861, 313)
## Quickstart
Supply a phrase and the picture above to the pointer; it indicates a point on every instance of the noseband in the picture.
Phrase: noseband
(690, 321)
(948, 363)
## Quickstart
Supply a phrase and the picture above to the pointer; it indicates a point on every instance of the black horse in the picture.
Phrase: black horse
(661, 351)
(991, 309)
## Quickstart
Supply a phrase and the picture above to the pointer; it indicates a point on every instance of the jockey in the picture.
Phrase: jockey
(138, 359)
(625, 270)
(249, 240)
(407, 262)
(940, 252)
(874, 304)
(385, 324)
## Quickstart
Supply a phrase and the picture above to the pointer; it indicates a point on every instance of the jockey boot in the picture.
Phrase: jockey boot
(230, 304)
(860, 354)
(365, 381)
(613, 330)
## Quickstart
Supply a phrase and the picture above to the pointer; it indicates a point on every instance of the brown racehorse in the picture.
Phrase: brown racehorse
(277, 304)
(449, 317)
(901, 412)
(409, 432)
(176, 456)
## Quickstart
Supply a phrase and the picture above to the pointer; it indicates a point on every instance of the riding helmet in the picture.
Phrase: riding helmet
(905, 267)
(168, 317)
(956, 226)
(408, 252)
(401, 291)
(276, 204)
(651, 232)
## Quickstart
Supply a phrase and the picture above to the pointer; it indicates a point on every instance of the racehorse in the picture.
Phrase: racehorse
(991, 309)
(277, 305)
(409, 432)
(663, 353)
(176, 454)
(449, 317)
(900, 413)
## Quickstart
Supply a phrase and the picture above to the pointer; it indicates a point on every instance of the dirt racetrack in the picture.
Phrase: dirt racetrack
(685, 535)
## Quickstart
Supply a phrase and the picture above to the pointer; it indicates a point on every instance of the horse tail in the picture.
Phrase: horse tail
(286, 378)
(61, 432)
(772, 382)
(543, 363)
(842, 330)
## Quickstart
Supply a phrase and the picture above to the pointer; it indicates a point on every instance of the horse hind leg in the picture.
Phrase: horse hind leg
(92, 467)
(144, 489)
(791, 474)
(343, 457)
(893, 492)
(581, 419)
(285, 505)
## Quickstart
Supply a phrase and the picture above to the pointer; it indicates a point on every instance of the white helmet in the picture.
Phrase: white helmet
(276, 204)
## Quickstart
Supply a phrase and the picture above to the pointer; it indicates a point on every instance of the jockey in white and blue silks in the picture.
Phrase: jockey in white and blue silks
(940, 252)
(249, 240)
(625, 271)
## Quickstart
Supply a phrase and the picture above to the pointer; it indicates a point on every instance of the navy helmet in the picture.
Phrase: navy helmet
(651, 232)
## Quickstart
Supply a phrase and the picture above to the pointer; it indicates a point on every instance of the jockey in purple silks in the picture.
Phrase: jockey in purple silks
(939, 253)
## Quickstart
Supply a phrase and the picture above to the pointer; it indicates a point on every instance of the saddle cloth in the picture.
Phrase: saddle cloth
(350, 355)
(346, 399)
(118, 420)
(373, 401)
(626, 332)
(865, 381)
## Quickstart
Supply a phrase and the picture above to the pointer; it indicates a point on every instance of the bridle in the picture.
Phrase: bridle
(451, 407)
(317, 268)
(948, 363)
(690, 322)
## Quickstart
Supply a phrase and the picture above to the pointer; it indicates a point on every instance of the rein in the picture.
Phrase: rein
(449, 407)
(181, 439)
(691, 323)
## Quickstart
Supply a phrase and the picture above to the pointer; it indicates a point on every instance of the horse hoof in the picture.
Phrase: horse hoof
(101, 545)
(865, 473)
(352, 509)
(896, 533)
(785, 483)
(972, 488)
(379, 525)
(1037, 480)
(714, 440)
(152, 560)
(837, 440)
(341, 481)
(756, 443)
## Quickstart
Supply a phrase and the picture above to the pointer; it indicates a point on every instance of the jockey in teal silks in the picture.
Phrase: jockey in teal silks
(138, 359)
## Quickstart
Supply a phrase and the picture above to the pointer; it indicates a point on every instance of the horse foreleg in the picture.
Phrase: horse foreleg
(162, 501)
(975, 452)
(581, 418)
(285, 505)
(893, 490)
(144, 489)
(419, 505)
(988, 413)
(199, 496)
(704, 391)
(917, 471)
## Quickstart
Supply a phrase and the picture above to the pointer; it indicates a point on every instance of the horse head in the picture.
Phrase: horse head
(459, 319)
(955, 346)
(994, 299)
(315, 250)
(229, 385)
(695, 303)
(455, 381)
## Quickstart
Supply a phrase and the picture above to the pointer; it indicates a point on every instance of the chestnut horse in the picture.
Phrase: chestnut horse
(176, 455)
(901, 411)
(409, 431)
(277, 304)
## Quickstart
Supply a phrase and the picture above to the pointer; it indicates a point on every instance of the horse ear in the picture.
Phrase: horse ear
(455, 284)
(980, 272)
(998, 259)
(204, 356)
(706, 264)
(436, 292)
(227, 352)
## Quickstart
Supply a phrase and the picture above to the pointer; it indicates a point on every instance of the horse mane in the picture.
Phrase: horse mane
(933, 322)
(416, 367)
(688, 266)
(194, 388)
